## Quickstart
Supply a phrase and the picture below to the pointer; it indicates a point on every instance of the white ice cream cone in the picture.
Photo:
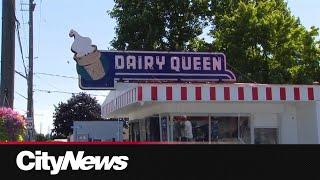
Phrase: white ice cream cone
(92, 64)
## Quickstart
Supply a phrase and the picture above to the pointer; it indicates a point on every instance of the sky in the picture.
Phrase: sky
(52, 22)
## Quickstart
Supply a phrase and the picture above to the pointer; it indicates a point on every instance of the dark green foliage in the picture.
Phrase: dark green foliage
(80, 107)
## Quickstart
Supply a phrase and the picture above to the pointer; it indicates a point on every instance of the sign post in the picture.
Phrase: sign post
(30, 128)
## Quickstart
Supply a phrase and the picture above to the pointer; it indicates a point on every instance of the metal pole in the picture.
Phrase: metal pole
(118, 130)
(7, 53)
(30, 73)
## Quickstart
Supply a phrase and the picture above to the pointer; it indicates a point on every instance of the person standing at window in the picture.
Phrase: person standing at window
(188, 130)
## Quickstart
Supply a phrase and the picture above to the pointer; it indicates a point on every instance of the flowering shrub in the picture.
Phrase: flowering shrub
(12, 125)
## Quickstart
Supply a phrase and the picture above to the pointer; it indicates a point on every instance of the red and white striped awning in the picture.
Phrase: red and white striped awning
(237, 92)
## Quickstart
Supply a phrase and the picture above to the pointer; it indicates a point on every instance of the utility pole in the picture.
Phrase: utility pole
(30, 113)
(7, 53)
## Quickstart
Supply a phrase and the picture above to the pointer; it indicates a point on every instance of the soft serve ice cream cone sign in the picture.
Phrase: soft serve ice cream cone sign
(87, 56)
(102, 69)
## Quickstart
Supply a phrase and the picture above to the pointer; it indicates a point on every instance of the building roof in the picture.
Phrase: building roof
(233, 92)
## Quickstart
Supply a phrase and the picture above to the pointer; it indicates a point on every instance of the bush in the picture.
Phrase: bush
(12, 125)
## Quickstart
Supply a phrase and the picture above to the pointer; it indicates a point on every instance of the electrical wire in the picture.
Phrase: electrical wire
(21, 95)
(20, 47)
(23, 22)
(48, 83)
(64, 92)
(56, 75)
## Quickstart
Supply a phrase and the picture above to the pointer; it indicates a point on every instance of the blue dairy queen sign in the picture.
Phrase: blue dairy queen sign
(101, 69)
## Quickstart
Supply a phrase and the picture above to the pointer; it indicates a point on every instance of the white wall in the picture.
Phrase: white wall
(307, 123)
(149, 109)
(317, 110)
(288, 125)
(265, 120)
(105, 130)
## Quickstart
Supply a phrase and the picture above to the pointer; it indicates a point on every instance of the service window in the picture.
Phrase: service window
(266, 135)
(191, 128)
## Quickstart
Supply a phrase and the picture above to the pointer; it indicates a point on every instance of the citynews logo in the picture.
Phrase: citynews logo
(42, 161)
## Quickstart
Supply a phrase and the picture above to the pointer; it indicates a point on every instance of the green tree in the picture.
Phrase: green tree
(157, 24)
(264, 42)
(42, 137)
(81, 107)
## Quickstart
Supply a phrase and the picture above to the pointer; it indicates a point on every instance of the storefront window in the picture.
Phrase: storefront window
(152, 129)
(244, 130)
(266, 135)
(135, 133)
(230, 129)
(224, 129)
(191, 128)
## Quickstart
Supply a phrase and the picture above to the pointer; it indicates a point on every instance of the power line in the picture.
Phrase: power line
(20, 46)
(23, 22)
(56, 75)
(21, 74)
(64, 92)
(48, 83)
(21, 95)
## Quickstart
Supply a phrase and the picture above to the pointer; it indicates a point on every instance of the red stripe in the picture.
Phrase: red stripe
(140, 93)
(198, 93)
(183, 93)
(240, 93)
(154, 93)
(296, 92)
(226, 93)
(310, 93)
(254, 93)
(212, 93)
(268, 93)
(282, 93)
(169, 93)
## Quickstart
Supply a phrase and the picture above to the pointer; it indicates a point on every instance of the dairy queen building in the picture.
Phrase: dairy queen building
(194, 98)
